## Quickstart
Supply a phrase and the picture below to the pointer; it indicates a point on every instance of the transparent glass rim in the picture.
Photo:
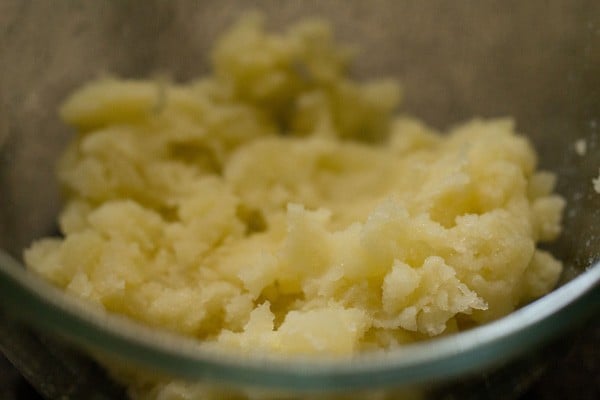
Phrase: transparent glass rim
(45, 307)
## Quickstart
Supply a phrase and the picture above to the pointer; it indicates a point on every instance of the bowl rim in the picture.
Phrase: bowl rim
(38, 303)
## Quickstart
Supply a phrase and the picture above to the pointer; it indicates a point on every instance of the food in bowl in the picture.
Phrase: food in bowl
(279, 206)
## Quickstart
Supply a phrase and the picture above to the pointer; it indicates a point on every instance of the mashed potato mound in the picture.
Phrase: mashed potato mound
(278, 206)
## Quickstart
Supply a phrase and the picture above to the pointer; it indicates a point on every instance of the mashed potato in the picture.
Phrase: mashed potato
(279, 206)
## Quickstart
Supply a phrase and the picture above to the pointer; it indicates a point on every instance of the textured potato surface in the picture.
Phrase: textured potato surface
(279, 206)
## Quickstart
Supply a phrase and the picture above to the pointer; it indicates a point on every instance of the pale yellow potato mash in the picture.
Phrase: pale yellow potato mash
(279, 206)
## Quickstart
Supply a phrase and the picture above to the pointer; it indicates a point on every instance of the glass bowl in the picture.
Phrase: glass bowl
(535, 61)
